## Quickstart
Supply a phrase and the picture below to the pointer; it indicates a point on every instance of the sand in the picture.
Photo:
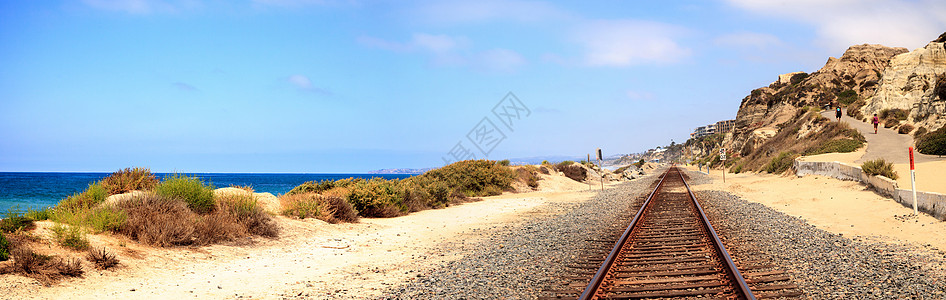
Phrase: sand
(930, 176)
(842, 207)
(363, 259)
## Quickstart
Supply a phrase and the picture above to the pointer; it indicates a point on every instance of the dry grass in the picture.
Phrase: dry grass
(163, 222)
(44, 268)
(243, 187)
(129, 179)
(101, 259)
(330, 209)
(528, 175)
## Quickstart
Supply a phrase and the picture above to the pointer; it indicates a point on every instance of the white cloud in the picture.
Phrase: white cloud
(487, 10)
(141, 7)
(301, 81)
(630, 42)
(642, 96)
(842, 23)
(747, 40)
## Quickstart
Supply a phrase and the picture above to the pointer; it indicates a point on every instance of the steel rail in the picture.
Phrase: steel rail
(589, 292)
(733, 272)
(742, 288)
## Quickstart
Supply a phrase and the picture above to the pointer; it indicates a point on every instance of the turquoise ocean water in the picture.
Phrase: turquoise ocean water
(22, 190)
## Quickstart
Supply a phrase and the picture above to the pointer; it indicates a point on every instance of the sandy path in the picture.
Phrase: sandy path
(886, 143)
(363, 258)
(842, 207)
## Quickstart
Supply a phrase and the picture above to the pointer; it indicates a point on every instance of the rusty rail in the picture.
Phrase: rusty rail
(606, 272)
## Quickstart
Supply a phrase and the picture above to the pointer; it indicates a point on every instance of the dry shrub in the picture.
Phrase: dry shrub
(385, 210)
(247, 188)
(158, 221)
(44, 268)
(528, 175)
(573, 171)
(101, 259)
(330, 209)
(544, 170)
(891, 123)
(905, 129)
(123, 181)
(245, 211)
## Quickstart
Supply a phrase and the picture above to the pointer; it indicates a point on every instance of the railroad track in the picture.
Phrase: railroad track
(670, 250)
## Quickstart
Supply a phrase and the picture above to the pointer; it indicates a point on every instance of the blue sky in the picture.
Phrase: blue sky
(350, 86)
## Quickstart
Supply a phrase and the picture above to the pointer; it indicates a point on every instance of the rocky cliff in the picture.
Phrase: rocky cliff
(909, 83)
(855, 75)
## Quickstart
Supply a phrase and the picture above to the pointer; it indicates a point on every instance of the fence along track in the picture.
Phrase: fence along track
(669, 250)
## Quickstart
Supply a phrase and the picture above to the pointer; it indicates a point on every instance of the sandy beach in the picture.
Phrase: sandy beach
(362, 258)
(843, 207)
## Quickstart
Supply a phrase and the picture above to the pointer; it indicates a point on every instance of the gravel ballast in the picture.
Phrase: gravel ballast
(521, 260)
(825, 265)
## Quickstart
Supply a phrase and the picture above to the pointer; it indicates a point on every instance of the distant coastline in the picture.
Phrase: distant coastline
(401, 171)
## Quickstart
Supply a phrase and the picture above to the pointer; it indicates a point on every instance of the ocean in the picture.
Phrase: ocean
(22, 190)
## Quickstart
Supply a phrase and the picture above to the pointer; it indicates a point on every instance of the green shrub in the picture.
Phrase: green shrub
(905, 129)
(780, 163)
(893, 114)
(932, 143)
(70, 237)
(621, 169)
(879, 167)
(847, 97)
(329, 209)
(38, 215)
(320, 186)
(639, 164)
(14, 221)
(128, 179)
(919, 132)
(103, 219)
(78, 203)
(474, 178)
(377, 198)
(504, 162)
(545, 162)
(737, 168)
(798, 78)
(835, 146)
(198, 196)
(4, 248)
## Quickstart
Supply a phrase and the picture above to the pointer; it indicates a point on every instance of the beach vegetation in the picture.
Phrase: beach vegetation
(101, 259)
(504, 162)
(528, 175)
(879, 167)
(621, 169)
(377, 197)
(843, 145)
(737, 168)
(129, 179)
(38, 214)
(571, 170)
(905, 129)
(164, 221)
(321, 186)
(192, 190)
(44, 268)
(854, 109)
(69, 236)
(781, 163)
(893, 114)
(330, 209)
(14, 221)
(247, 188)
(847, 97)
(80, 202)
(4, 248)
(932, 143)
(639, 164)
(544, 170)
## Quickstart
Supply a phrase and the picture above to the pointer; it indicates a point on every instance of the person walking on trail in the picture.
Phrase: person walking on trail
(876, 121)
(837, 113)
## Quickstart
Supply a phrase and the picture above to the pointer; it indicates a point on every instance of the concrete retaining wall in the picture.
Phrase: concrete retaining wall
(931, 203)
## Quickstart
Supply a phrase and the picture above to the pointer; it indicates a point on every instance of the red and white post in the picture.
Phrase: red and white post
(913, 182)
